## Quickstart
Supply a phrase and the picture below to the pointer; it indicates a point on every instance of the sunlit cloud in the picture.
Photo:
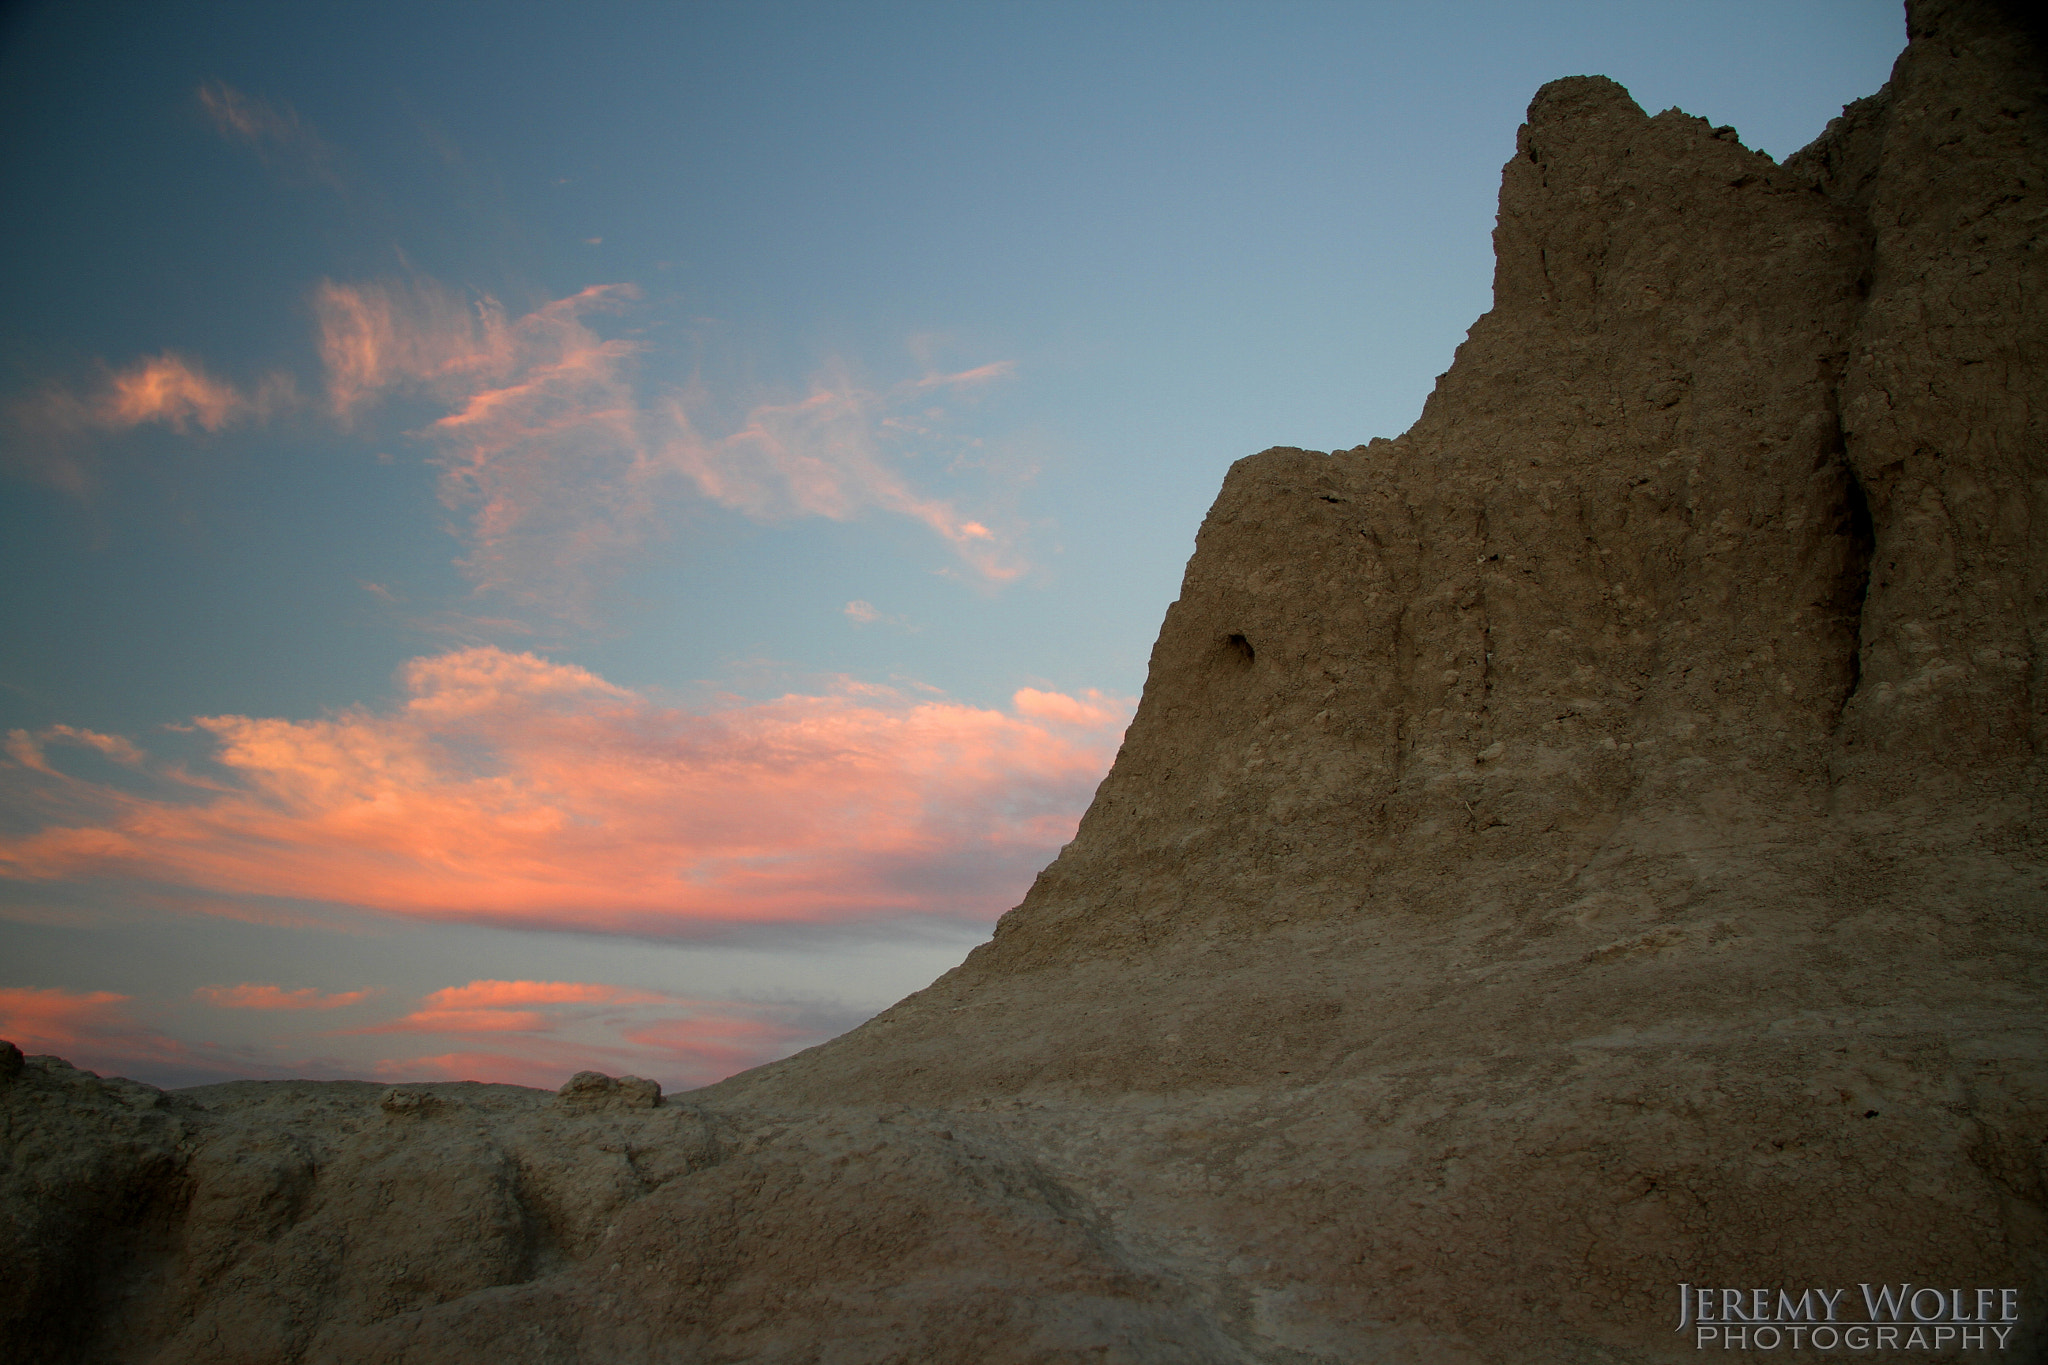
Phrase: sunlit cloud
(44, 1020)
(170, 390)
(56, 428)
(277, 134)
(509, 789)
(27, 748)
(980, 374)
(541, 444)
(562, 468)
(823, 456)
(864, 613)
(558, 468)
(1090, 710)
(97, 1030)
(258, 997)
(389, 335)
(713, 1044)
(92, 1029)
(506, 1006)
(167, 390)
(651, 1033)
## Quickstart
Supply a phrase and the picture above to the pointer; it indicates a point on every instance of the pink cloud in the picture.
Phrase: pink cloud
(506, 788)
(980, 374)
(645, 1032)
(541, 446)
(55, 428)
(44, 1020)
(416, 334)
(493, 1006)
(27, 749)
(170, 390)
(1090, 710)
(823, 456)
(278, 135)
(256, 997)
(716, 1044)
(165, 389)
(556, 464)
(868, 614)
(92, 1029)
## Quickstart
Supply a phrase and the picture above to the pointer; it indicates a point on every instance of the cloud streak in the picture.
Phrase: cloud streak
(824, 456)
(94, 1029)
(280, 138)
(164, 390)
(540, 448)
(507, 1006)
(509, 789)
(562, 471)
(693, 1042)
(250, 996)
(556, 466)
(27, 748)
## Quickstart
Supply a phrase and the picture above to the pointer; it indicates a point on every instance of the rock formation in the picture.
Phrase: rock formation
(1589, 843)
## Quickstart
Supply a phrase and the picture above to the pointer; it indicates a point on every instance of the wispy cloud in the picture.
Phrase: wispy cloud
(510, 789)
(56, 426)
(864, 613)
(557, 466)
(27, 748)
(653, 1033)
(507, 1006)
(824, 455)
(1090, 710)
(259, 997)
(383, 335)
(541, 447)
(47, 1020)
(562, 467)
(166, 390)
(92, 1029)
(99, 1030)
(278, 135)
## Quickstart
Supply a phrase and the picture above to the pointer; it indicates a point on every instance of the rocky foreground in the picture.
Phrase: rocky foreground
(1591, 843)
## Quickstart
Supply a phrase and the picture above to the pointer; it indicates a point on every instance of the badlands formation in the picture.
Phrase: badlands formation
(1588, 844)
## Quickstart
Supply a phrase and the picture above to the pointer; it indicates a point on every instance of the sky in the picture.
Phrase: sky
(622, 535)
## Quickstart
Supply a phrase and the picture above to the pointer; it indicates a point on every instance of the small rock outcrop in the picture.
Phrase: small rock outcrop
(1590, 843)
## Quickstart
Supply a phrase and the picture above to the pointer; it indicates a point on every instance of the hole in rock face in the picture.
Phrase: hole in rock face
(1239, 651)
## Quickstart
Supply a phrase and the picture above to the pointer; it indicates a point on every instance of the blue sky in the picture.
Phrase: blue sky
(620, 535)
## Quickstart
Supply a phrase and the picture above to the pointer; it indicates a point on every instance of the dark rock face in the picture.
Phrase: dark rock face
(1587, 844)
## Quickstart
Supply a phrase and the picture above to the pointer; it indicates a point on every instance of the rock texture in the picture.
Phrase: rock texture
(1588, 843)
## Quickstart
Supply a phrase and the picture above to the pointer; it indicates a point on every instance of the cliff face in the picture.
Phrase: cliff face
(1589, 843)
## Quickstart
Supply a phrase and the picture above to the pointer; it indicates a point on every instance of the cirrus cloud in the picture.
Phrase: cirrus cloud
(826, 455)
(95, 1029)
(251, 996)
(280, 138)
(507, 1006)
(561, 467)
(557, 466)
(540, 1031)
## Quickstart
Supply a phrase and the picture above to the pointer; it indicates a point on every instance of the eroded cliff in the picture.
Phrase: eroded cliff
(1588, 843)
